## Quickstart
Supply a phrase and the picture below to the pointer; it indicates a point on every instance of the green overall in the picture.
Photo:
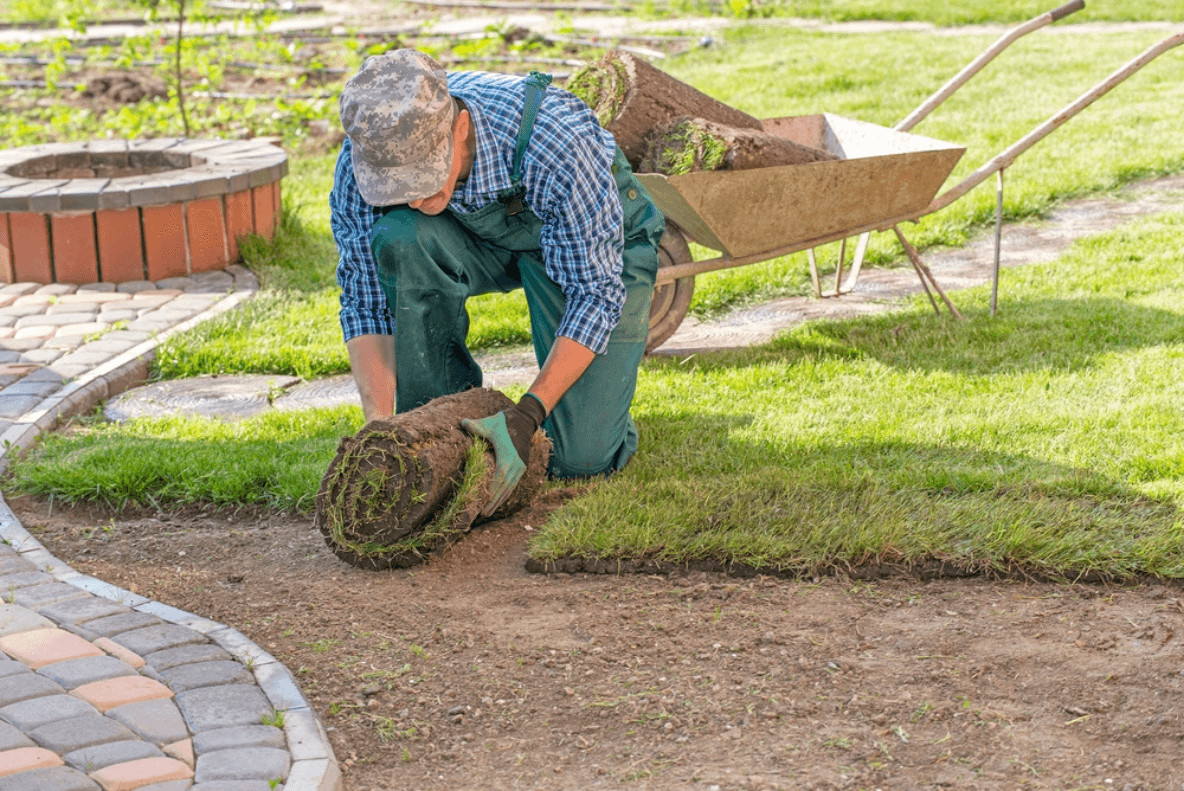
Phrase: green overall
(429, 265)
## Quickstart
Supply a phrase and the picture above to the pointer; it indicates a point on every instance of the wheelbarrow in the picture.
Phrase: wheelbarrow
(883, 177)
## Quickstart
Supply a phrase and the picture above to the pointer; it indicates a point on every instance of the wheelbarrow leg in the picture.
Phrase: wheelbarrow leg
(816, 281)
(998, 241)
(925, 275)
(839, 268)
(814, 272)
(857, 263)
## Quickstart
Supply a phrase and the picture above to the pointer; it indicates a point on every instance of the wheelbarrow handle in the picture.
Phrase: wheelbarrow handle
(1054, 122)
(1066, 9)
(976, 65)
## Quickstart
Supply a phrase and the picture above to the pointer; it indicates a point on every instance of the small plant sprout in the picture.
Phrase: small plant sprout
(274, 718)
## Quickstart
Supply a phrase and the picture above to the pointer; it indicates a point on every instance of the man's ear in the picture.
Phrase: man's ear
(462, 124)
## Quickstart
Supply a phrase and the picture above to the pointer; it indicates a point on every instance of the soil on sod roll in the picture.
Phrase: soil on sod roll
(631, 98)
(467, 672)
(691, 145)
(406, 486)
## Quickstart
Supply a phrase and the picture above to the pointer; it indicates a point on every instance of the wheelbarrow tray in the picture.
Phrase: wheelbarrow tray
(882, 177)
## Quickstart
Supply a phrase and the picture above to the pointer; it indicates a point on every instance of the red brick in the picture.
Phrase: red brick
(275, 186)
(119, 691)
(119, 652)
(240, 220)
(182, 750)
(137, 774)
(24, 759)
(40, 647)
(264, 200)
(74, 257)
(164, 241)
(6, 274)
(121, 251)
(207, 234)
(30, 247)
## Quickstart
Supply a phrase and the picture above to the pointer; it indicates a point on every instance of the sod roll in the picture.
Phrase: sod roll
(690, 145)
(405, 487)
(631, 98)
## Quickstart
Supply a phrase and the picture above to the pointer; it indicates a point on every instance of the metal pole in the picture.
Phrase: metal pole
(998, 241)
(923, 270)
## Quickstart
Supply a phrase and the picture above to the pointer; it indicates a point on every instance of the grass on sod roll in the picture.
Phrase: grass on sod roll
(1130, 133)
(1047, 437)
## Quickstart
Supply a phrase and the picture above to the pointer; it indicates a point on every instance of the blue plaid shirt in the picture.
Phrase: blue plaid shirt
(566, 172)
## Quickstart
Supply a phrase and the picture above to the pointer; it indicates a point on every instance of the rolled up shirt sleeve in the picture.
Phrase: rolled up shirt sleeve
(582, 236)
(363, 304)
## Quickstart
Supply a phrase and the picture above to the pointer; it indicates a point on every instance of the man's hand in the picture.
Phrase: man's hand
(509, 433)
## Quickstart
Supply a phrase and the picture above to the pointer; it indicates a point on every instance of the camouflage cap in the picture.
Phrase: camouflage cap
(398, 115)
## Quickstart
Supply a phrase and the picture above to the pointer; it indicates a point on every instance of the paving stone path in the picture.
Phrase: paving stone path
(101, 688)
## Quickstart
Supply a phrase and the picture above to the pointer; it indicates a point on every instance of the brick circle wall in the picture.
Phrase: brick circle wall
(119, 210)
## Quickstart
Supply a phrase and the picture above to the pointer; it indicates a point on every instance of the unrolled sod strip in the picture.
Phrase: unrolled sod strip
(631, 98)
(405, 487)
(691, 145)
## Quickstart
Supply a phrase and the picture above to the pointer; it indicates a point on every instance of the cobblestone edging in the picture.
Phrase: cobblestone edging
(117, 210)
(107, 689)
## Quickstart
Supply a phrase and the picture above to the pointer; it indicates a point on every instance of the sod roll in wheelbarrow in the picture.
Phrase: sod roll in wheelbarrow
(631, 98)
(405, 487)
(691, 145)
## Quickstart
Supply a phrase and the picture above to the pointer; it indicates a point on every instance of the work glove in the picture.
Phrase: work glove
(509, 433)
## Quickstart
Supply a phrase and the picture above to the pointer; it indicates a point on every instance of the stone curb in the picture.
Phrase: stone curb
(199, 169)
(313, 764)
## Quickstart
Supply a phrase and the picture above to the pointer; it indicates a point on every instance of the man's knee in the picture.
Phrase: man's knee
(402, 232)
(587, 455)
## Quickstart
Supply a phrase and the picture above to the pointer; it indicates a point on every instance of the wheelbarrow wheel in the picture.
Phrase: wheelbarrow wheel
(671, 300)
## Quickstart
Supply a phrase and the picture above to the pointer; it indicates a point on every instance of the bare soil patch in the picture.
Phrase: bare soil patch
(470, 672)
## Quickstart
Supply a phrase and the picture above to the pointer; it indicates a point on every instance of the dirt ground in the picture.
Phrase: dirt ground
(472, 673)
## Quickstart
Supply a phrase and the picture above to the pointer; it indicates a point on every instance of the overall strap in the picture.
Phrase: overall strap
(536, 86)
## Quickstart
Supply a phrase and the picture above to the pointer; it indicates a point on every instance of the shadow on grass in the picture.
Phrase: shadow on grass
(795, 509)
(1047, 334)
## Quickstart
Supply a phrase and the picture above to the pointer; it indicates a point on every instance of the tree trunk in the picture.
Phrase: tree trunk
(406, 487)
(690, 145)
(179, 73)
(631, 98)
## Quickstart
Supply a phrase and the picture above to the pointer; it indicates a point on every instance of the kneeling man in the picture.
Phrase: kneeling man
(453, 185)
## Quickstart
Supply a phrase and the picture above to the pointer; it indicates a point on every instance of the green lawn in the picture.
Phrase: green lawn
(1046, 439)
